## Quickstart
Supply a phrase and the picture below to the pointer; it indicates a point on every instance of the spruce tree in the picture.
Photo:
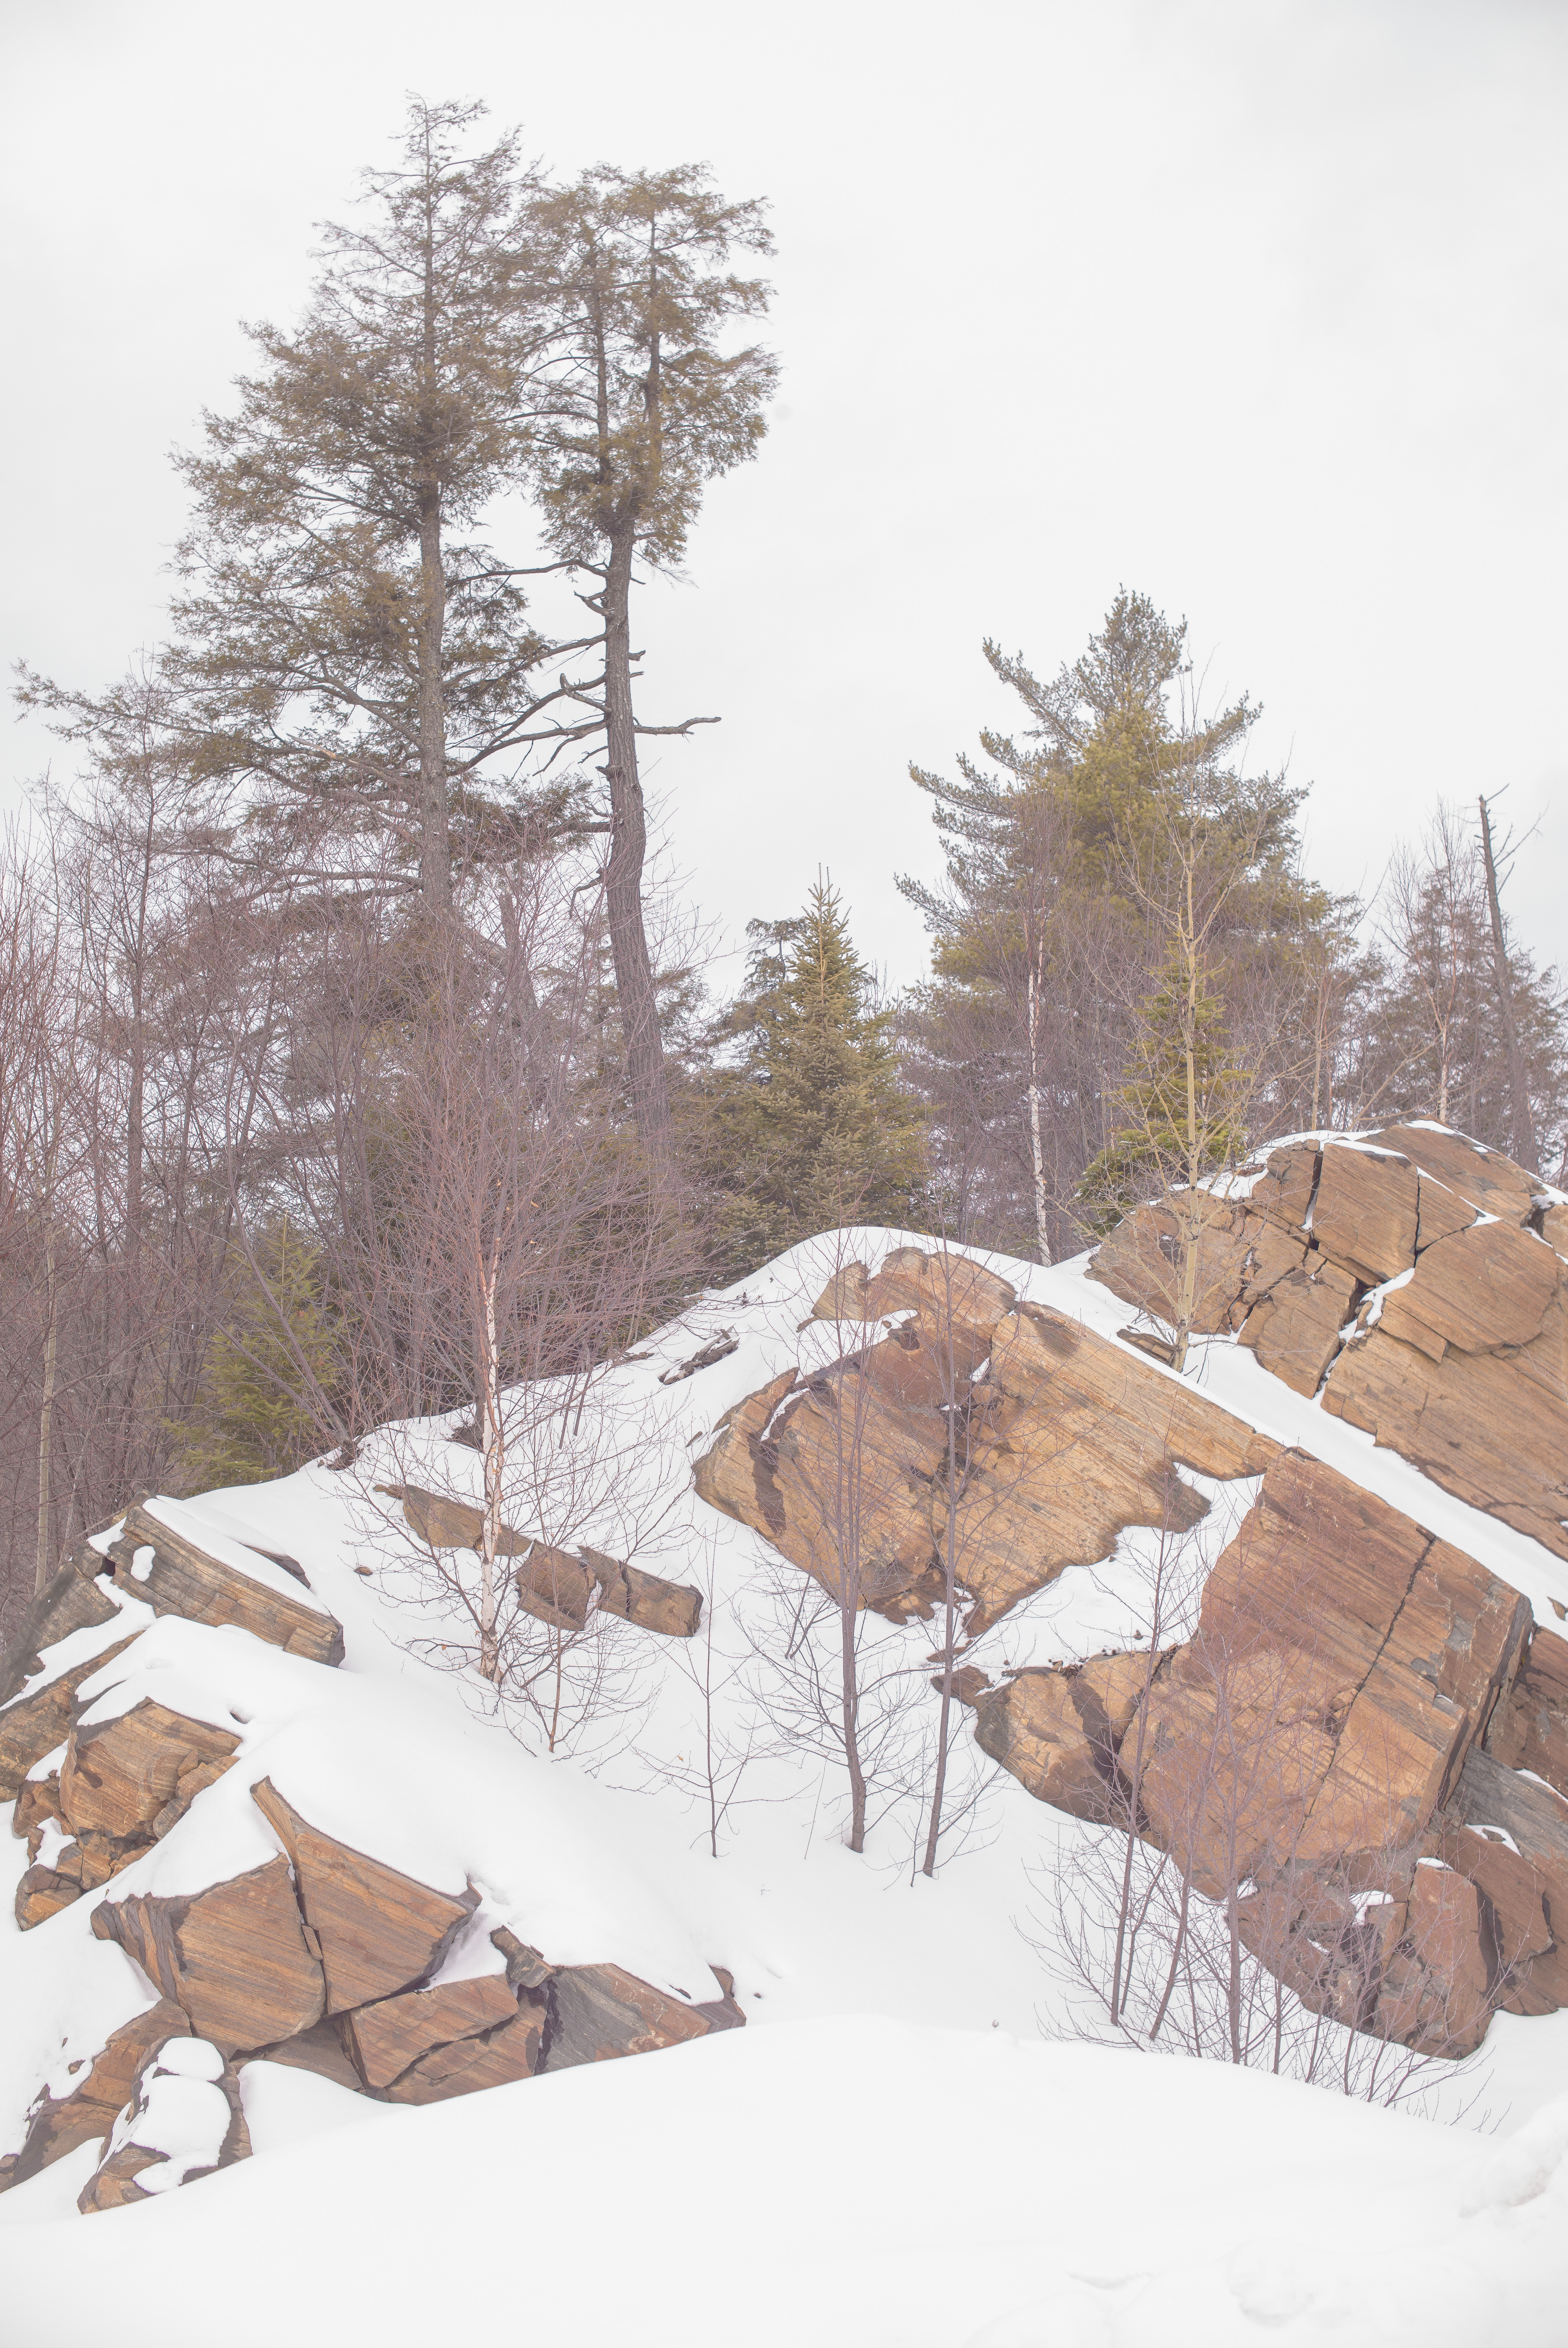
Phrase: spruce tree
(813, 1129)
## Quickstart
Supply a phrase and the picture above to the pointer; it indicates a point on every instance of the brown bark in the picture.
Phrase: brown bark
(1522, 1124)
(628, 850)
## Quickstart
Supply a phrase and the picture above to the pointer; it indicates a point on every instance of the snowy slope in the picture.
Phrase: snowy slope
(888, 2152)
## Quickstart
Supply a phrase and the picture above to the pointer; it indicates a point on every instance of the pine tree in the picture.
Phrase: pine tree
(255, 1412)
(1166, 1124)
(813, 1129)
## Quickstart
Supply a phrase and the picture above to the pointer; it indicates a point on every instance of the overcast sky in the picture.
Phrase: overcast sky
(1258, 305)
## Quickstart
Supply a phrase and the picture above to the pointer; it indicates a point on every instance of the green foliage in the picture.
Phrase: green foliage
(1169, 1129)
(812, 1129)
(255, 1414)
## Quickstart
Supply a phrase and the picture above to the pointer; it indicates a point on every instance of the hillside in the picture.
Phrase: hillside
(313, 1925)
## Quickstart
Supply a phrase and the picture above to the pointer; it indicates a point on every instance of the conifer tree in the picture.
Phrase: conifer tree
(278, 1346)
(814, 1128)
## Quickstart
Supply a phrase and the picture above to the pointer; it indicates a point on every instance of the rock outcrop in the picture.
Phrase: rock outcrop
(184, 2119)
(555, 1585)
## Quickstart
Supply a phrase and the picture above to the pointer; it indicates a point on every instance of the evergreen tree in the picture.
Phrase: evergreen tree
(812, 1128)
(275, 1353)
(1180, 1106)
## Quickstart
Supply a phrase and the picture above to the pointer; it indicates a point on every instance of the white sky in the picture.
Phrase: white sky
(1255, 304)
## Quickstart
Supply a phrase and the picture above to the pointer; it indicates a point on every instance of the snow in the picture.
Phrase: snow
(854, 2180)
(892, 2150)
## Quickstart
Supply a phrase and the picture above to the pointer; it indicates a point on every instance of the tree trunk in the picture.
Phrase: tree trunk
(45, 1563)
(627, 848)
(850, 1668)
(1522, 1125)
(1036, 1138)
(434, 846)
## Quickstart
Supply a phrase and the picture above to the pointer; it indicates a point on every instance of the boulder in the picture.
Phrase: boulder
(184, 1578)
(1140, 1261)
(132, 1777)
(185, 2119)
(674, 1609)
(1477, 1290)
(1490, 1427)
(492, 2058)
(58, 2123)
(385, 2039)
(1510, 1836)
(77, 1598)
(1529, 1729)
(1434, 1994)
(1295, 1329)
(1483, 1178)
(1077, 1442)
(1058, 1730)
(38, 1806)
(955, 1298)
(319, 2049)
(1283, 1191)
(597, 2012)
(42, 1892)
(34, 1722)
(1363, 1213)
(236, 1958)
(377, 1930)
(1554, 1229)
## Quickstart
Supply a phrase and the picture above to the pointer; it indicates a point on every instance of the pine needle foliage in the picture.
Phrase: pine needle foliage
(812, 1128)
(254, 1414)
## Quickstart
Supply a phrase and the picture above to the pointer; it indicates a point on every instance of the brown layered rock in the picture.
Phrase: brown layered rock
(674, 1609)
(1490, 1427)
(1057, 1731)
(1140, 1261)
(1356, 1658)
(389, 2038)
(1509, 1836)
(952, 1295)
(183, 1579)
(492, 2058)
(39, 1719)
(377, 1930)
(597, 2012)
(58, 2123)
(185, 2120)
(555, 1585)
(1483, 1178)
(841, 1483)
(42, 1892)
(1283, 1191)
(1478, 1291)
(132, 1777)
(1296, 1328)
(319, 2049)
(77, 1598)
(1365, 1211)
(1554, 1229)
(1440, 1213)
(236, 1958)
(38, 1806)
(1078, 1441)
(1530, 1726)
(1434, 1990)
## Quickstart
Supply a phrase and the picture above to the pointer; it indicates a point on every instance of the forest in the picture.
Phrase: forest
(356, 1062)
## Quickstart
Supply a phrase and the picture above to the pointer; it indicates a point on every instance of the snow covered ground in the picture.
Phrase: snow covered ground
(896, 2148)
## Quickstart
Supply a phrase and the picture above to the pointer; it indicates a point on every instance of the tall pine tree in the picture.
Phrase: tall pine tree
(812, 1128)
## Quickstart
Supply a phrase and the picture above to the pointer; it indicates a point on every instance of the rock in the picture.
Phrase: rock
(37, 1806)
(1489, 1802)
(133, 1777)
(235, 1957)
(1554, 1229)
(34, 1723)
(41, 1893)
(185, 2120)
(599, 2013)
(1440, 1213)
(319, 2049)
(555, 1587)
(718, 1349)
(671, 1608)
(1057, 1731)
(526, 1968)
(1140, 1261)
(493, 2059)
(1529, 1729)
(1294, 1329)
(386, 2038)
(185, 1579)
(1478, 1291)
(377, 1930)
(1354, 1659)
(721, 2012)
(76, 1600)
(1364, 1214)
(951, 1293)
(1490, 1427)
(57, 2125)
(1284, 1192)
(1435, 1992)
(553, 1584)
(1077, 1443)
(1483, 1178)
